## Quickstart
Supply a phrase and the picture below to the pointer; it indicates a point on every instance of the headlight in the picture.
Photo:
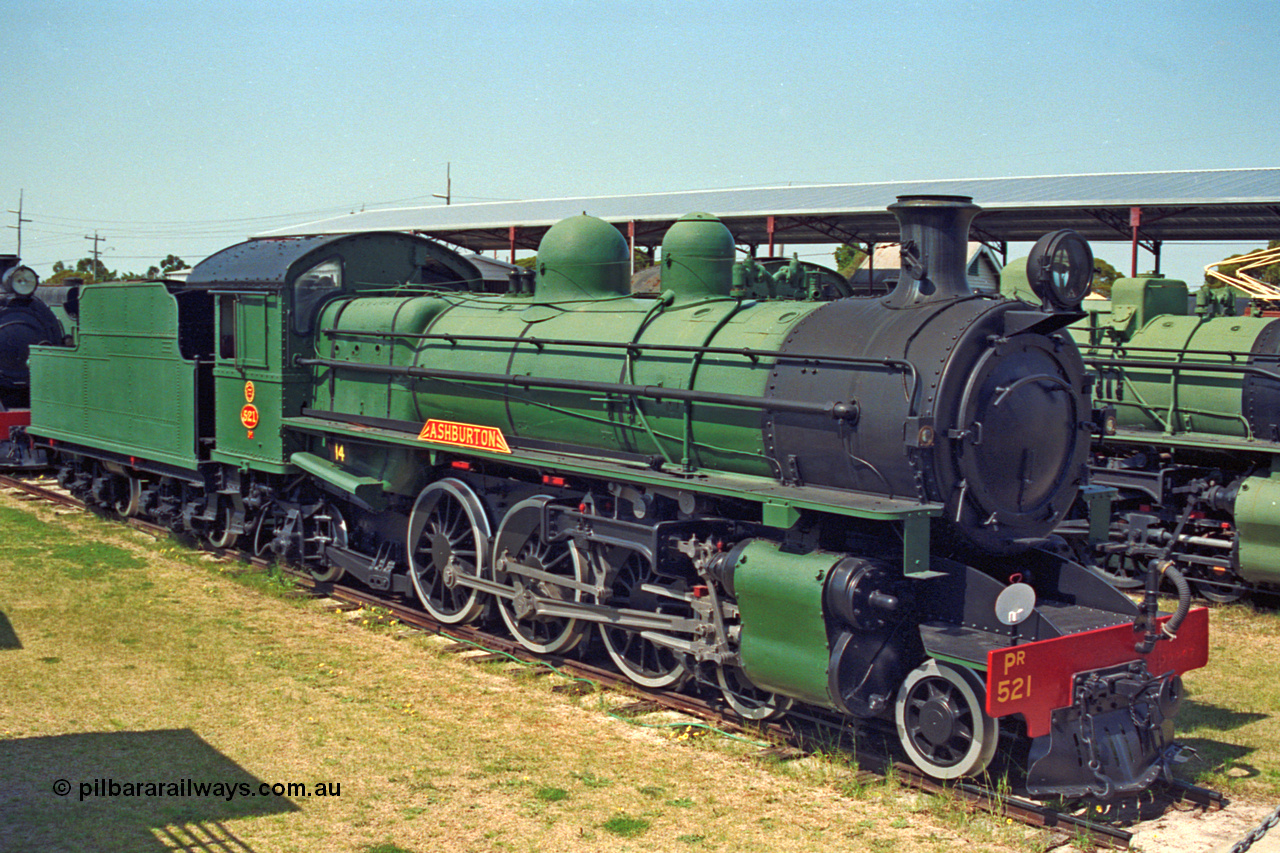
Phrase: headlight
(21, 281)
(1060, 270)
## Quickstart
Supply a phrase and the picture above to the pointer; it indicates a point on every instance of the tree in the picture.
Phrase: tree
(86, 268)
(848, 259)
(173, 263)
(92, 271)
(1104, 275)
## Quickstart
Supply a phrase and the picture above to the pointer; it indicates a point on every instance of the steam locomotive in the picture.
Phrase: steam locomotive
(726, 485)
(1192, 437)
(25, 319)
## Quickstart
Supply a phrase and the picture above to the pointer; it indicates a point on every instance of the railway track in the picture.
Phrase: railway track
(799, 733)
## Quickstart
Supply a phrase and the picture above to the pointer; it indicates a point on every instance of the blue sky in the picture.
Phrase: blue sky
(185, 127)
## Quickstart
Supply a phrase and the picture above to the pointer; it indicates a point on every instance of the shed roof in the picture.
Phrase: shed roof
(1221, 204)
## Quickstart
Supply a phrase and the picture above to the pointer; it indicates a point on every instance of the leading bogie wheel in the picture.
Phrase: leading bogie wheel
(1123, 571)
(521, 541)
(942, 723)
(448, 539)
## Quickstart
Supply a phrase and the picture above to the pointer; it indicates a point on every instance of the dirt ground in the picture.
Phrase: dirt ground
(1196, 830)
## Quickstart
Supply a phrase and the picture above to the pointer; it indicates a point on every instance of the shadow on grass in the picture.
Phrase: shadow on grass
(1195, 715)
(8, 637)
(1197, 723)
(57, 793)
(1212, 756)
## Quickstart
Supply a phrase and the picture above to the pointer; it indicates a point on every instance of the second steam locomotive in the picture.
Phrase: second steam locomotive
(786, 500)
(1191, 447)
(29, 314)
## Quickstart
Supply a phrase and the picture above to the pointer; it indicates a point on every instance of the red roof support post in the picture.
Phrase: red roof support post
(631, 242)
(769, 225)
(511, 238)
(1135, 219)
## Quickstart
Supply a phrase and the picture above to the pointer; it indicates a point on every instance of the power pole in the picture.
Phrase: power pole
(96, 240)
(448, 185)
(20, 221)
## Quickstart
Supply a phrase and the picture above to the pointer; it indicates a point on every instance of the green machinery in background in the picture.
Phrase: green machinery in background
(1191, 400)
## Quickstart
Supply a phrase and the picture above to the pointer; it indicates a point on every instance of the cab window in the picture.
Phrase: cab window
(242, 328)
(312, 289)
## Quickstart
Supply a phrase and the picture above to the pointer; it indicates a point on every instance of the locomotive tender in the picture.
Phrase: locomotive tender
(1192, 448)
(784, 499)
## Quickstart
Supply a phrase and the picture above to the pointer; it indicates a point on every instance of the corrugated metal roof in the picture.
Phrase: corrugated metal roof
(1224, 204)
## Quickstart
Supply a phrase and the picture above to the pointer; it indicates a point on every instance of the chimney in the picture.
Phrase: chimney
(935, 248)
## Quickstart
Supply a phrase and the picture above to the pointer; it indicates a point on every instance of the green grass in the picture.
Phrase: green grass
(23, 537)
(626, 825)
(133, 653)
(591, 780)
(126, 645)
(1229, 716)
(548, 794)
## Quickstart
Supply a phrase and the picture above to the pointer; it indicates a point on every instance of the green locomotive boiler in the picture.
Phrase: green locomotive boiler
(783, 500)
